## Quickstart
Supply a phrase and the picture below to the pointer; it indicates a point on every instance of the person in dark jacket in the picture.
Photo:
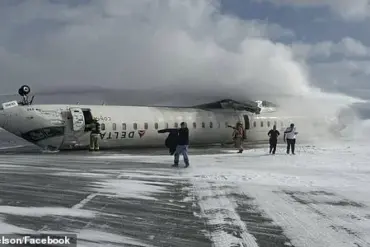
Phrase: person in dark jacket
(274, 133)
(178, 142)
(182, 145)
(171, 140)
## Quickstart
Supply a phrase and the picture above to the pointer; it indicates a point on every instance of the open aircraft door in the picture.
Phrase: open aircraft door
(78, 119)
(246, 122)
(246, 126)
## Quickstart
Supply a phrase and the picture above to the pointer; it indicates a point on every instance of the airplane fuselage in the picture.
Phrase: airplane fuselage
(64, 126)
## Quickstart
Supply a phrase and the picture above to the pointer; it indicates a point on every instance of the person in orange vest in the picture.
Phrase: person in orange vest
(239, 136)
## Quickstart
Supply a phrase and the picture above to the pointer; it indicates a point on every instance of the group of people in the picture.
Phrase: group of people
(178, 139)
(289, 137)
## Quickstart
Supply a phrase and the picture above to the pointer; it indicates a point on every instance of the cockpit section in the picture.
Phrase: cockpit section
(47, 126)
(37, 135)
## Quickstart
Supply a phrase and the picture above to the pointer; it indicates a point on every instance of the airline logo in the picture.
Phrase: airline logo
(141, 133)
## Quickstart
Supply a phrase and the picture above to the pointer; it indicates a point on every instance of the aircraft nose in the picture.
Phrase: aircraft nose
(7, 112)
(7, 121)
(2, 118)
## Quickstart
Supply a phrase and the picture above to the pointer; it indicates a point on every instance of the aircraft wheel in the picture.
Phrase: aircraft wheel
(24, 90)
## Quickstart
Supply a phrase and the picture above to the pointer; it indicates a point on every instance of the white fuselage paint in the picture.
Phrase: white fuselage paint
(134, 126)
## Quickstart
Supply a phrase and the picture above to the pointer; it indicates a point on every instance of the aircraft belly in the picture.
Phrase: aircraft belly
(18, 121)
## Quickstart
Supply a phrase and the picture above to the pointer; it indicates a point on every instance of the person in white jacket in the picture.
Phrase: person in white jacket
(289, 137)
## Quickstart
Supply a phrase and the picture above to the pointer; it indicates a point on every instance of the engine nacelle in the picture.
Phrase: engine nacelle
(24, 90)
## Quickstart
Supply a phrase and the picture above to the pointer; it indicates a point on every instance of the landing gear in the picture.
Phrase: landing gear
(24, 91)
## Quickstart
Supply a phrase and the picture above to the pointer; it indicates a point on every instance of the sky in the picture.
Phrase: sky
(236, 48)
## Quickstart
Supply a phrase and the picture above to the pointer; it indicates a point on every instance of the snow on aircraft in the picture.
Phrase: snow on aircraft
(65, 127)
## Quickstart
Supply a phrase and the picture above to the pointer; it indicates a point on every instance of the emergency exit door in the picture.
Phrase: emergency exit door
(246, 122)
(78, 119)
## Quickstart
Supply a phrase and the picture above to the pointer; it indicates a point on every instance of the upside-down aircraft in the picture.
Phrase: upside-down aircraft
(65, 127)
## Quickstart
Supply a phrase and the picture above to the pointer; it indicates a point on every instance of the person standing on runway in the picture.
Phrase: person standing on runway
(273, 134)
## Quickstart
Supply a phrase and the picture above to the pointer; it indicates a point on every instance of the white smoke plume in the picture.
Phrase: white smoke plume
(171, 48)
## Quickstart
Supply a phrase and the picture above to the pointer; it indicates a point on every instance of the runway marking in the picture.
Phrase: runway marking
(76, 206)
(84, 201)
(221, 215)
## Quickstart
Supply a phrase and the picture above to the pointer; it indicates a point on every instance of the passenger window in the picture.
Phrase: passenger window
(194, 125)
(203, 125)
(146, 126)
(210, 124)
(166, 125)
(123, 126)
(268, 124)
(254, 124)
(176, 125)
(156, 125)
(114, 126)
(102, 127)
(261, 123)
(135, 126)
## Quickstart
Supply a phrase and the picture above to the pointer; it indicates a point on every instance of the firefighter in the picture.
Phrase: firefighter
(94, 135)
(239, 136)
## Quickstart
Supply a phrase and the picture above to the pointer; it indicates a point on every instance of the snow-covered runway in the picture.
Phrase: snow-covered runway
(319, 197)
